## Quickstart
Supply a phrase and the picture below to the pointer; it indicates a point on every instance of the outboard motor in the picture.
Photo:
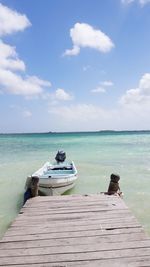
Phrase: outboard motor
(60, 156)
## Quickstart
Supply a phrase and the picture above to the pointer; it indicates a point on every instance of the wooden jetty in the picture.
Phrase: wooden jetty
(61, 231)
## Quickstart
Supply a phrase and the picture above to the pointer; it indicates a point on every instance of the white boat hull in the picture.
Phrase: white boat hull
(55, 179)
(55, 191)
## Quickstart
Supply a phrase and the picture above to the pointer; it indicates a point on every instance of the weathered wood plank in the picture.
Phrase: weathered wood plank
(124, 262)
(84, 215)
(74, 197)
(76, 204)
(79, 240)
(58, 210)
(75, 256)
(94, 263)
(68, 209)
(102, 200)
(66, 234)
(50, 228)
(93, 230)
(71, 216)
(73, 202)
(97, 217)
(112, 212)
(75, 249)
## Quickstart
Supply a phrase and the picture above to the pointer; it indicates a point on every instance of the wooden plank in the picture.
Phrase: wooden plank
(132, 262)
(96, 207)
(94, 255)
(104, 215)
(65, 228)
(59, 210)
(79, 217)
(72, 200)
(75, 249)
(78, 203)
(79, 240)
(71, 216)
(74, 197)
(93, 230)
(124, 262)
(39, 236)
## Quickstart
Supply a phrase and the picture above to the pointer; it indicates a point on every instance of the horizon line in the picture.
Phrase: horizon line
(63, 132)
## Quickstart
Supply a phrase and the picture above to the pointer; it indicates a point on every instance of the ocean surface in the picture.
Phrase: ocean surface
(96, 156)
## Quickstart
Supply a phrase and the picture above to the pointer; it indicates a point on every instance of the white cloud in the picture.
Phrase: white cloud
(132, 113)
(11, 21)
(127, 1)
(141, 2)
(80, 112)
(99, 90)
(107, 83)
(102, 87)
(140, 96)
(84, 35)
(16, 84)
(72, 52)
(9, 58)
(38, 81)
(10, 81)
(27, 114)
(144, 2)
(58, 96)
(61, 94)
(88, 117)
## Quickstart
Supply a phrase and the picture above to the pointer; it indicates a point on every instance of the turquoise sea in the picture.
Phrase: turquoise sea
(96, 156)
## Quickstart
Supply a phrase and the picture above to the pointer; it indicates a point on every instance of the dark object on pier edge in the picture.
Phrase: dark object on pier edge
(32, 189)
(114, 187)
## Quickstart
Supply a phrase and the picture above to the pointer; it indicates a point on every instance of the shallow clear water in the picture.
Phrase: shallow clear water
(96, 156)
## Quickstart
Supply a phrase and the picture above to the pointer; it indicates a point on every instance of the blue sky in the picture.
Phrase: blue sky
(72, 65)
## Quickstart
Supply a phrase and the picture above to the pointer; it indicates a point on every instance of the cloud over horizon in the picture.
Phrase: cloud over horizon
(83, 115)
(138, 97)
(131, 112)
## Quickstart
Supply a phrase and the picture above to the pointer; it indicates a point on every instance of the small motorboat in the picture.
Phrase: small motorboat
(56, 178)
